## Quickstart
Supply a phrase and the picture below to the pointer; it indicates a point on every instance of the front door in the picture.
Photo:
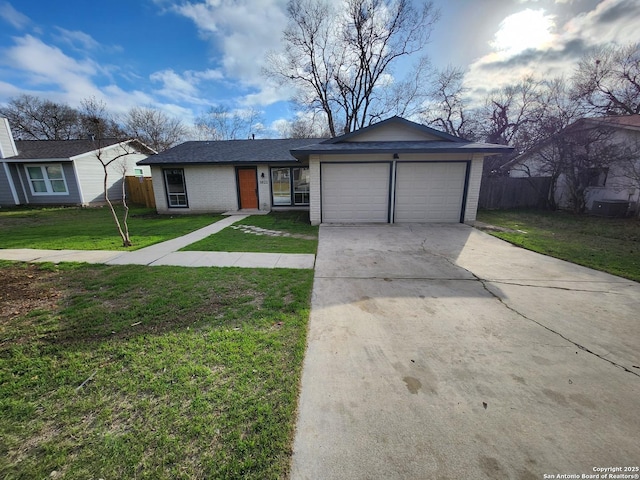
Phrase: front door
(248, 187)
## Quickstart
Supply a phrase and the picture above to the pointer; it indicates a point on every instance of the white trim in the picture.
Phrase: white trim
(13, 143)
(78, 182)
(12, 187)
(47, 180)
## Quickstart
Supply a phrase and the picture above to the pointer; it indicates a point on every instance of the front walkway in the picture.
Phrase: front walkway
(166, 253)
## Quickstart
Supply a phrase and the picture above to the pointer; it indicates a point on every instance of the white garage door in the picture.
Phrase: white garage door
(355, 192)
(429, 192)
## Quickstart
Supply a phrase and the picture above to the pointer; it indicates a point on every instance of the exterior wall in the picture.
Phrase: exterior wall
(8, 195)
(71, 198)
(392, 133)
(91, 174)
(209, 189)
(473, 189)
(264, 188)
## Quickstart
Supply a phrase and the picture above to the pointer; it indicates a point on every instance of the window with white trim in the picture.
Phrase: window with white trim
(176, 188)
(47, 179)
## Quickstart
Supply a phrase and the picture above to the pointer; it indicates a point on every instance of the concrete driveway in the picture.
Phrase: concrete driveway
(438, 351)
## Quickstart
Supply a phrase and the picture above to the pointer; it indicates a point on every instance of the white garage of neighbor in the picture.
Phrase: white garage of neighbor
(395, 171)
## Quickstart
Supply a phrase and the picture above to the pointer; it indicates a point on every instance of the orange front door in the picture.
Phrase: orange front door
(248, 185)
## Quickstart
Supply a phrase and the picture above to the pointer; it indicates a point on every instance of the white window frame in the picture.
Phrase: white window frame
(45, 178)
(175, 195)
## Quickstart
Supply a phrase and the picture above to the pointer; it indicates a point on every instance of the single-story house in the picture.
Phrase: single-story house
(64, 172)
(393, 171)
(606, 181)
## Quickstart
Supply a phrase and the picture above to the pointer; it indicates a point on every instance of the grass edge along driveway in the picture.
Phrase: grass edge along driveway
(138, 372)
(607, 244)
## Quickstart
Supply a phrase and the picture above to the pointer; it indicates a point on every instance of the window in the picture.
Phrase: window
(138, 172)
(176, 188)
(301, 186)
(284, 180)
(47, 179)
(281, 186)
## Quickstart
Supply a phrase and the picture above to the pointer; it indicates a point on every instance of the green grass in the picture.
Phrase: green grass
(609, 245)
(77, 228)
(304, 237)
(190, 372)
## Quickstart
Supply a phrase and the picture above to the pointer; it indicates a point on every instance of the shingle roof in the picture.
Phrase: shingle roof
(230, 152)
(58, 149)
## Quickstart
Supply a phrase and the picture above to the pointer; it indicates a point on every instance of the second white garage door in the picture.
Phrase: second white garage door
(429, 192)
(355, 192)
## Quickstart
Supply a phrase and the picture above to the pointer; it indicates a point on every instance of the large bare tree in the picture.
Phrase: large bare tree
(154, 128)
(221, 123)
(447, 108)
(340, 60)
(607, 80)
(34, 118)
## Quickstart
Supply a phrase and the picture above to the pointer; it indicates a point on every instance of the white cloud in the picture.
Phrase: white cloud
(523, 30)
(13, 16)
(77, 39)
(184, 86)
(242, 33)
(556, 49)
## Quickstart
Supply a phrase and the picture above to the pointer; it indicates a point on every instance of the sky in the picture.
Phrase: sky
(184, 56)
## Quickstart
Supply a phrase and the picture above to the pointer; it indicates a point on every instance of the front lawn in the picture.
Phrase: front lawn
(75, 228)
(606, 244)
(277, 232)
(138, 372)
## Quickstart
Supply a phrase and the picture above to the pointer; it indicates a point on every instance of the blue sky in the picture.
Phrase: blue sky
(183, 56)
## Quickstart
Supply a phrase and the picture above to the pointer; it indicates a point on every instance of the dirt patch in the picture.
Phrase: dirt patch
(25, 288)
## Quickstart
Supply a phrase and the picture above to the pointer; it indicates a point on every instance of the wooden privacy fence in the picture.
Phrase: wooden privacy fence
(507, 192)
(140, 191)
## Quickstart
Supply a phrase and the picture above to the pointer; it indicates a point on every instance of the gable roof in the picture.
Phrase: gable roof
(397, 121)
(227, 152)
(65, 149)
(443, 143)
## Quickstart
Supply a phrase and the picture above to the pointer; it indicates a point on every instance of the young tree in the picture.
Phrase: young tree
(340, 62)
(607, 80)
(154, 128)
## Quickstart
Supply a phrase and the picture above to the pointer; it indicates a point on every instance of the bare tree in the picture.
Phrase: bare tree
(32, 118)
(447, 109)
(341, 61)
(154, 128)
(96, 121)
(220, 123)
(304, 127)
(607, 80)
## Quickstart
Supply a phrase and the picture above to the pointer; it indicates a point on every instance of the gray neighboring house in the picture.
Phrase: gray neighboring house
(606, 186)
(63, 172)
(391, 172)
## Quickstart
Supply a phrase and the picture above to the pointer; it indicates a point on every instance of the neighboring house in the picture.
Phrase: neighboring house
(64, 172)
(607, 180)
(393, 171)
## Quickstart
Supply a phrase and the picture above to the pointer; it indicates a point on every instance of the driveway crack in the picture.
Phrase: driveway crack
(483, 282)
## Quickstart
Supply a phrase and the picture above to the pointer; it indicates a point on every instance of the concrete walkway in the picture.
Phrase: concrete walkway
(166, 253)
